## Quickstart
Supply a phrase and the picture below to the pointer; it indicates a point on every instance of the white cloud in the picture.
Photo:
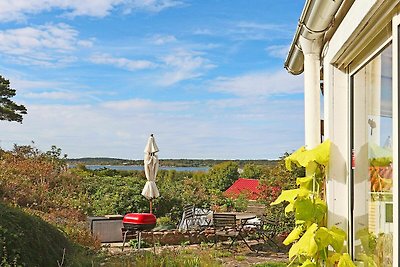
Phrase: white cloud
(55, 95)
(184, 65)
(253, 31)
(163, 39)
(259, 26)
(24, 85)
(259, 84)
(132, 105)
(17, 10)
(121, 62)
(202, 32)
(42, 45)
(52, 91)
(279, 51)
(187, 129)
(151, 5)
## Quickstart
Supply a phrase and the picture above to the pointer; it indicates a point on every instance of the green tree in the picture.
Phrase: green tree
(9, 110)
(252, 171)
(223, 175)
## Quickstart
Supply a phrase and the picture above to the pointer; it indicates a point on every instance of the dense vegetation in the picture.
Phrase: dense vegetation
(167, 162)
(40, 184)
(27, 240)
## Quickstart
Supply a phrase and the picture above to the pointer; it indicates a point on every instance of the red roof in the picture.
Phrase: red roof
(249, 187)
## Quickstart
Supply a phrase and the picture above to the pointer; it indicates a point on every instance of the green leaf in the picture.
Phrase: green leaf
(306, 244)
(299, 157)
(308, 263)
(323, 237)
(333, 259)
(289, 208)
(338, 236)
(345, 261)
(290, 195)
(312, 167)
(304, 209)
(293, 236)
(367, 260)
(293, 158)
(303, 157)
(368, 240)
(305, 182)
(320, 209)
(307, 210)
(321, 153)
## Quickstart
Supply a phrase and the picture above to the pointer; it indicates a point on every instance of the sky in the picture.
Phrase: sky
(206, 77)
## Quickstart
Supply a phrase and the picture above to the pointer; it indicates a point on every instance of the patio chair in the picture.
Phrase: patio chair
(189, 216)
(194, 218)
(256, 208)
(267, 230)
(225, 225)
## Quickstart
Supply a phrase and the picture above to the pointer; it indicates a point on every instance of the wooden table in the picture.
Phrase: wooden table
(225, 225)
(243, 217)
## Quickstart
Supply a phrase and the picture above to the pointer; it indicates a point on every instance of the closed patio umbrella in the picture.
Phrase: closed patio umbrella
(150, 190)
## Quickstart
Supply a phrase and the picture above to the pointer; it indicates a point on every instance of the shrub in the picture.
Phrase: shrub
(24, 237)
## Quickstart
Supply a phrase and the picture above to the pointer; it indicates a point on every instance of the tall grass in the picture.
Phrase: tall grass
(166, 258)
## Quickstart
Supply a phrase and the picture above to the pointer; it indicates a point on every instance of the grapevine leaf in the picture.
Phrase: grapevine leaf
(303, 157)
(286, 195)
(320, 209)
(305, 182)
(289, 208)
(323, 237)
(308, 263)
(304, 209)
(306, 244)
(307, 210)
(333, 259)
(293, 158)
(293, 236)
(338, 238)
(345, 261)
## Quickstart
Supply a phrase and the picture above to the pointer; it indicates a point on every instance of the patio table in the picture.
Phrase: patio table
(242, 217)
(225, 225)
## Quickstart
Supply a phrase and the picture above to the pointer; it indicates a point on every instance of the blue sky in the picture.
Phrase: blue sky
(205, 76)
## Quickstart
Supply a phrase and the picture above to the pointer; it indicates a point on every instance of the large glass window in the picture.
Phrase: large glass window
(372, 163)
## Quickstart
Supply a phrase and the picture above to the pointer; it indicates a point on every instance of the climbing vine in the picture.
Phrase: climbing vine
(313, 244)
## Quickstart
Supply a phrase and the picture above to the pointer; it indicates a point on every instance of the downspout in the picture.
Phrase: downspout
(304, 55)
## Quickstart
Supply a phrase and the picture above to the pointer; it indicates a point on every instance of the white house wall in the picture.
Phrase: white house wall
(396, 23)
(336, 129)
(336, 118)
(339, 54)
(349, 29)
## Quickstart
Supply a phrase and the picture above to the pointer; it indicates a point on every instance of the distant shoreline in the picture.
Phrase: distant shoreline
(173, 163)
(140, 168)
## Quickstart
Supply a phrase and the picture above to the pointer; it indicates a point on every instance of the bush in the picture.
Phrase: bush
(23, 238)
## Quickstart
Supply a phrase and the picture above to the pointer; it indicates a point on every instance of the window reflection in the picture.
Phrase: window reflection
(372, 141)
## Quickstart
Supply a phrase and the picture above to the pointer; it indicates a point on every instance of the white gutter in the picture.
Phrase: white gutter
(304, 55)
(315, 20)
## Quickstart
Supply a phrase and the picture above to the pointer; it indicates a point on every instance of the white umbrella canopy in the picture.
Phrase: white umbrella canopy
(150, 190)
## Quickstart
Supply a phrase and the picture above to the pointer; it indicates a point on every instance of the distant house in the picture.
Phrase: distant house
(249, 187)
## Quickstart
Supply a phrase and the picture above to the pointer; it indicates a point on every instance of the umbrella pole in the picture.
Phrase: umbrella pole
(151, 206)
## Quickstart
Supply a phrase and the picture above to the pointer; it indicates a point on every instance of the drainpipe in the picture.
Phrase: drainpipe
(311, 51)
(304, 55)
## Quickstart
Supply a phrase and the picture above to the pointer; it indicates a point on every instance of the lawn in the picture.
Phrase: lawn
(192, 255)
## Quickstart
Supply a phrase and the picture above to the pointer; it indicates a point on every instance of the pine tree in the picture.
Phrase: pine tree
(9, 110)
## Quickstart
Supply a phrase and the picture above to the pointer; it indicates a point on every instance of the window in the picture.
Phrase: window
(372, 128)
